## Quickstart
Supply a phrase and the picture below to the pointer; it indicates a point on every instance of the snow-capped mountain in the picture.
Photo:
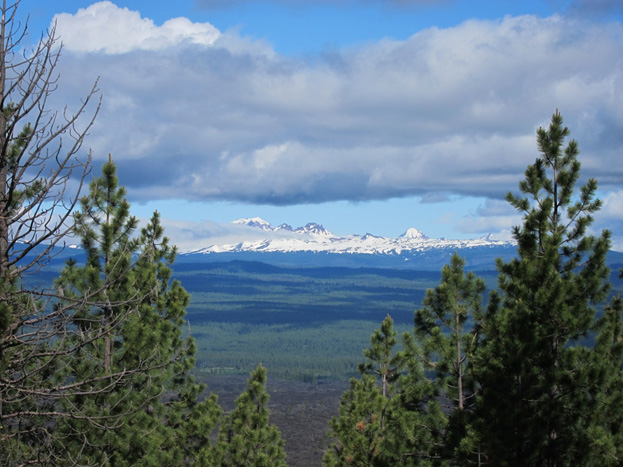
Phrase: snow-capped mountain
(314, 229)
(313, 237)
(286, 227)
(414, 234)
(255, 222)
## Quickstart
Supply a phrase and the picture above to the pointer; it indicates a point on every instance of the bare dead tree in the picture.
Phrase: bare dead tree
(39, 147)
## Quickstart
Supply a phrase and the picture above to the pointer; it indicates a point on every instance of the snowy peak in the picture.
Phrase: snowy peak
(286, 227)
(414, 234)
(314, 229)
(259, 223)
(255, 222)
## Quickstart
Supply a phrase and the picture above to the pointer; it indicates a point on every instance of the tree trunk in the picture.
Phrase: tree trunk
(4, 226)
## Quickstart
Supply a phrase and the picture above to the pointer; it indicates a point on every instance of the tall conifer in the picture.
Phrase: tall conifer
(447, 336)
(130, 293)
(363, 427)
(245, 436)
(388, 416)
(537, 367)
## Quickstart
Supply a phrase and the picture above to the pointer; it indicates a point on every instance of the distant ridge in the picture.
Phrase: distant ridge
(312, 245)
(353, 251)
(314, 237)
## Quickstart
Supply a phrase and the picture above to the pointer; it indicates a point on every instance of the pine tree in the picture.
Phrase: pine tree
(191, 422)
(361, 427)
(245, 436)
(381, 360)
(604, 424)
(138, 357)
(387, 417)
(361, 430)
(536, 367)
(446, 338)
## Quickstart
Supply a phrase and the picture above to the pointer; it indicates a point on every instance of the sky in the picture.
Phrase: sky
(361, 115)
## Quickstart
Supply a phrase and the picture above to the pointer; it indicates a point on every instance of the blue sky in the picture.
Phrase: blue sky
(363, 115)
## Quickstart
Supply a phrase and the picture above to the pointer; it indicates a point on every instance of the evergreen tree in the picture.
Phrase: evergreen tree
(537, 368)
(245, 436)
(381, 360)
(134, 368)
(535, 380)
(361, 427)
(190, 423)
(387, 417)
(361, 430)
(604, 425)
(446, 338)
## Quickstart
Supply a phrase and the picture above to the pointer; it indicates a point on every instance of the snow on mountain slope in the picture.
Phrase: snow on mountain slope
(255, 222)
(315, 238)
(414, 234)
(315, 229)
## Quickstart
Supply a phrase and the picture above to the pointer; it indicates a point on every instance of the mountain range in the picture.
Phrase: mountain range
(314, 237)
(312, 245)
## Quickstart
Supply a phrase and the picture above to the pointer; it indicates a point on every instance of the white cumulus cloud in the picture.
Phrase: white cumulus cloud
(446, 111)
(107, 28)
(612, 206)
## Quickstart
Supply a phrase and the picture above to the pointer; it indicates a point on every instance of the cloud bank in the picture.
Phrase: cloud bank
(194, 113)
(596, 8)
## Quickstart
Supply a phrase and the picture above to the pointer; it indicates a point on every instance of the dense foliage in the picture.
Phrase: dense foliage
(245, 436)
(144, 309)
(537, 363)
(536, 378)
(389, 416)
(127, 357)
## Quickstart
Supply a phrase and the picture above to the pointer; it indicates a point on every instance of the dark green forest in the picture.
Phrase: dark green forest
(103, 355)
(305, 324)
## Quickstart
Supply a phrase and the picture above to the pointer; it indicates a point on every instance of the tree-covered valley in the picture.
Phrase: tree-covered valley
(307, 324)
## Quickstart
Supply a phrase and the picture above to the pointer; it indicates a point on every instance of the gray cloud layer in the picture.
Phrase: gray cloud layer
(596, 8)
(193, 113)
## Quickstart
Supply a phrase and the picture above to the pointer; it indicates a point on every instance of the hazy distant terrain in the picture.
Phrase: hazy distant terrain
(305, 323)
(478, 258)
